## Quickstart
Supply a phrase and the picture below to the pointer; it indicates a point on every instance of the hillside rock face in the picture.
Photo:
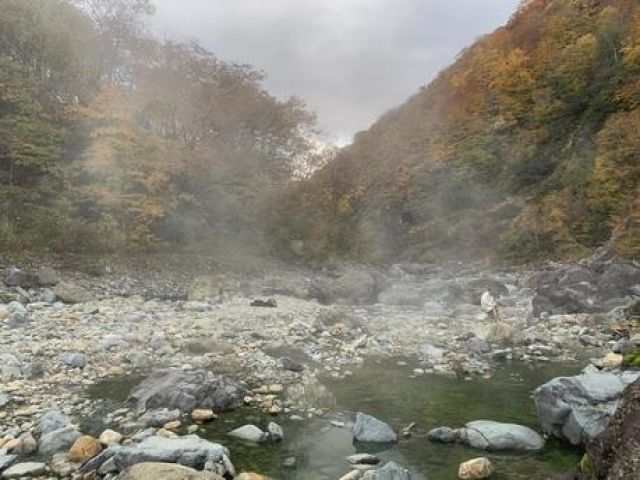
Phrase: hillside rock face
(580, 408)
(615, 453)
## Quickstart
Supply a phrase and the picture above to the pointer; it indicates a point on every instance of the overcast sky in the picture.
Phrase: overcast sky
(349, 60)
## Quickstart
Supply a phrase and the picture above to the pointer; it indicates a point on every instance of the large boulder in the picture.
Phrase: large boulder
(369, 429)
(190, 451)
(555, 300)
(58, 440)
(488, 435)
(70, 293)
(165, 471)
(50, 421)
(581, 407)
(187, 391)
(20, 278)
(618, 278)
(353, 287)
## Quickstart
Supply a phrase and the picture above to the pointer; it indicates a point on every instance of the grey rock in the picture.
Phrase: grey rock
(70, 293)
(157, 340)
(190, 451)
(291, 365)
(249, 433)
(138, 358)
(590, 341)
(158, 417)
(48, 296)
(108, 467)
(187, 391)
(6, 461)
(58, 440)
(18, 315)
(26, 469)
(109, 342)
(579, 408)
(369, 429)
(100, 460)
(391, 471)
(432, 353)
(47, 277)
(4, 399)
(363, 459)
(490, 435)
(165, 471)
(74, 359)
(624, 346)
(20, 278)
(275, 432)
(617, 279)
(575, 274)
(554, 300)
(50, 421)
(146, 433)
(478, 346)
(443, 435)
(11, 365)
(32, 369)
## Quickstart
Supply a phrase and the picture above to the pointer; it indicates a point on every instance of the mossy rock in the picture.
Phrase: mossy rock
(6, 298)
(632, 360)
(633, 312)
(586, 466)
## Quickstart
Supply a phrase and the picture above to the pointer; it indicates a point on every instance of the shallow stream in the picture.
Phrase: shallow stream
(389, 391)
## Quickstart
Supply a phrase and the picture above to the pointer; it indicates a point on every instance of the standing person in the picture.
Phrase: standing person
(489, 304)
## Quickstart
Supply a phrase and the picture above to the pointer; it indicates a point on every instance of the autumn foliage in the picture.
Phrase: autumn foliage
(527, 147)
(113, 140)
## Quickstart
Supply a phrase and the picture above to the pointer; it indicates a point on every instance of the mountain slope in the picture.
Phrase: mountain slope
(526, 147)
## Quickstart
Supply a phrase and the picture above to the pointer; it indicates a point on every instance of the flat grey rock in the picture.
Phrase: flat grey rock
(369, 429)
(490, 435)
(190, 451)
(249, 433)
(26, 469)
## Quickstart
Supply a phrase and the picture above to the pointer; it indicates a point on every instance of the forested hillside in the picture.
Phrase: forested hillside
(111, 139)
(527, 147)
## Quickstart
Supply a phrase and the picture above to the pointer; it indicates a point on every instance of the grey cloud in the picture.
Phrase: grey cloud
(350, 60)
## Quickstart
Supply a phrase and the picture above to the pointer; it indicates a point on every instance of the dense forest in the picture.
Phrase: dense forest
(527, 147)
(111, 139)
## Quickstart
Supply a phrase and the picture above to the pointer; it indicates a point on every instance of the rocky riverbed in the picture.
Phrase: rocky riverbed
(276, 333)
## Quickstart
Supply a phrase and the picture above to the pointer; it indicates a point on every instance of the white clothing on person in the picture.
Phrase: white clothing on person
(488, 302)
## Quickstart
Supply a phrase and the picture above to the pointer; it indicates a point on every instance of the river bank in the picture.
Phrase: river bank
(321, 325)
